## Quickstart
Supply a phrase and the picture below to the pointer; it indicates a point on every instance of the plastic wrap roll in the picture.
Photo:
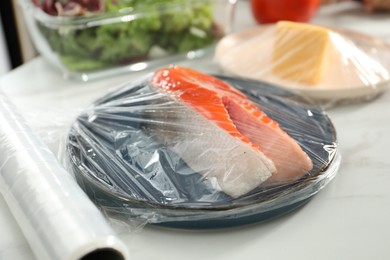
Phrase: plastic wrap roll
(54, 214)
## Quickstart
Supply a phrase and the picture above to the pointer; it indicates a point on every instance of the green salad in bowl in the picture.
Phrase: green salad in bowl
(84, 36)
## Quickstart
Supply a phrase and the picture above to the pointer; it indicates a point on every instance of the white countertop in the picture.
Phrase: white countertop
(348, 219)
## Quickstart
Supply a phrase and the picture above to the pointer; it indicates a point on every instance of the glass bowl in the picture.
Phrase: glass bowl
(128, 35)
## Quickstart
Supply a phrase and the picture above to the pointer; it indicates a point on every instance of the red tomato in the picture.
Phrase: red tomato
(271, 11)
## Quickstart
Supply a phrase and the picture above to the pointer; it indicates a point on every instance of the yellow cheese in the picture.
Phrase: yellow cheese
(299, 52)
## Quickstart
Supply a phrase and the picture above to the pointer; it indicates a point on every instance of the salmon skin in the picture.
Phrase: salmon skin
(221, 134)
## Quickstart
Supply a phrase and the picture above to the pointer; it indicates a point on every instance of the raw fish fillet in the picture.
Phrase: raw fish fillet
(220, 134)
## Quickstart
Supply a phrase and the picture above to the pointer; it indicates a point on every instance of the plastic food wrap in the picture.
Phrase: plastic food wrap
(56, 217)
(328, 64)
(93, 39)
(153, 150)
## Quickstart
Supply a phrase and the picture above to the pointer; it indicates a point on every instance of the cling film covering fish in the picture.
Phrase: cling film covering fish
(246, 147)
(182, 139)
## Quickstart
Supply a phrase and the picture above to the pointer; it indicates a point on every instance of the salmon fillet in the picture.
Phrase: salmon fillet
(220, 134)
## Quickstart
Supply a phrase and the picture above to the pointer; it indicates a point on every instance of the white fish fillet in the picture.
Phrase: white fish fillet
(231, 165)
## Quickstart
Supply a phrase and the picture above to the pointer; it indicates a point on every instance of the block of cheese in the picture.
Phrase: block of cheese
(300, 52)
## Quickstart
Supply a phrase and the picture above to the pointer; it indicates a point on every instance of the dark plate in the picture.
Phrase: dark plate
(111, 157)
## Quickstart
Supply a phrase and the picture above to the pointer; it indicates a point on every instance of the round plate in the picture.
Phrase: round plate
(360, 67)
(114, 161)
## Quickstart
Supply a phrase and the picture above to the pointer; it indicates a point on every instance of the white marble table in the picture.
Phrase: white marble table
(349, 219)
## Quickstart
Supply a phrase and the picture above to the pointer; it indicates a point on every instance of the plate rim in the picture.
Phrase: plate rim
(354, 92)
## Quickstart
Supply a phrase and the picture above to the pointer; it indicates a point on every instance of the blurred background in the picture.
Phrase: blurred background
(4, 61)
(15, 44)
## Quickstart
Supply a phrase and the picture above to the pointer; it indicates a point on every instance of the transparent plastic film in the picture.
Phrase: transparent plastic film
(330, 64)
(90, 41)
(56, 217)
(180, 145)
